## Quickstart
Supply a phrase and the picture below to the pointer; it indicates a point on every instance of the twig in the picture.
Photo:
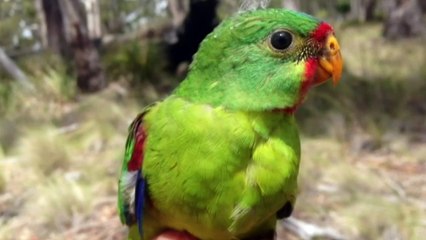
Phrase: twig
(15, 71)
(308, 231)
(393, 185)
(69, 128)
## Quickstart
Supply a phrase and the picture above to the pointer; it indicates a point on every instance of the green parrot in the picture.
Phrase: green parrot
(219, 157)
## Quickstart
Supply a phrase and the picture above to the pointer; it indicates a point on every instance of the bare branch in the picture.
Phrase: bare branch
(14, 70)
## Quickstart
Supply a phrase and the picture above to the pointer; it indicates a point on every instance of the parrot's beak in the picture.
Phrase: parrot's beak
(330, 62)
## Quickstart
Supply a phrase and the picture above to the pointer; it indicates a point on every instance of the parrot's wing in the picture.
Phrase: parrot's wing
(131, 186)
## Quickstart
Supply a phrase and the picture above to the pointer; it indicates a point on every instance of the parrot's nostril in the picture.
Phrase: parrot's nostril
(332, 45)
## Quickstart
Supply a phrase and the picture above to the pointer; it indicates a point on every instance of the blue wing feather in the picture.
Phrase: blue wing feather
(139, 201)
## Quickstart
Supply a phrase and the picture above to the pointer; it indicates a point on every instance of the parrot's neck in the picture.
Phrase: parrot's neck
(245, 92)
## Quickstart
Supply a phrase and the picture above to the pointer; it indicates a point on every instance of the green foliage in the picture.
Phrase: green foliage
(138, 60)
(12, 14)
(343, 6)
(8, 28)
(6, 97)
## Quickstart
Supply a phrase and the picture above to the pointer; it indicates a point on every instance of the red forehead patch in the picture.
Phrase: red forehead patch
(322, 31)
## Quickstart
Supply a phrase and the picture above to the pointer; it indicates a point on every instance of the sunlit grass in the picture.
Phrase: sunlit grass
(60, 157)
(369, 56)
(356, 194)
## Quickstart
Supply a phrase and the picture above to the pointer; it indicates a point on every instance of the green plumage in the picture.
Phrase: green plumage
(219, 160)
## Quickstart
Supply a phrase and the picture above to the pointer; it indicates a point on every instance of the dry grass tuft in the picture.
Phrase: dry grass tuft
(57, 202)
(44, 149)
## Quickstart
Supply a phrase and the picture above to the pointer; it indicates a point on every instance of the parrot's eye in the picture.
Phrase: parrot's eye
(281, 40)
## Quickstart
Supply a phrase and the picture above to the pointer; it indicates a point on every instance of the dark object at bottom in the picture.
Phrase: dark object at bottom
(285, 211)
(266, 236)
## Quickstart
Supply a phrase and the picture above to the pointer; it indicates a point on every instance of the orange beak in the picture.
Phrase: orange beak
(330, 62)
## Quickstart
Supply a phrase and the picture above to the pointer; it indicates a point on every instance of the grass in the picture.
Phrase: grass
(363, 163)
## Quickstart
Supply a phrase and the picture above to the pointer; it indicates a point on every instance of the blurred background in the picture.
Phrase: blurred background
(73, 75)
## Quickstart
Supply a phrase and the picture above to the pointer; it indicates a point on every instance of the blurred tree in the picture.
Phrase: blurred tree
(291, 4)
(192, 20)
(179, 10)
(70, 30)
(363, 10)
(52, 26)
(404, 19)
(94, 26)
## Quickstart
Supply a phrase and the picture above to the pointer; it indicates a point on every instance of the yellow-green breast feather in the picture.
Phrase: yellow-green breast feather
(214, 172)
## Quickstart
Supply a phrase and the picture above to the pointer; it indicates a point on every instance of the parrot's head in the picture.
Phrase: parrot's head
(263, 60)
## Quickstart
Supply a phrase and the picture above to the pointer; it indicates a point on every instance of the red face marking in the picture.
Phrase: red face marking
(136, 161)
(320, 35)
(321, 32)
(310, 69)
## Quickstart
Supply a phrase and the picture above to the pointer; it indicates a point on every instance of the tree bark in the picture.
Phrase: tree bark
(93, 19)
(179, 10)
(404, 19)
(52, 22)
(90, 75)
(363, 10)
(291, 4)
(67, 33)
(199, 19)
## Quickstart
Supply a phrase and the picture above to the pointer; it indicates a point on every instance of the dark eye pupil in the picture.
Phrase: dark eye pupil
(281, 40)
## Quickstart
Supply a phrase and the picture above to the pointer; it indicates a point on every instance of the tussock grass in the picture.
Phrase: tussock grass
(62, 153)
(44, 150)
(55, 203)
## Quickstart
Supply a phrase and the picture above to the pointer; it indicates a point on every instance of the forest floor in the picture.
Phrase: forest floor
(363, 151)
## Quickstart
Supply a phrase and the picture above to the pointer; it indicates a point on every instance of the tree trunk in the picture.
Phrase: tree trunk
(370, 9)
(93, 19)
(90, 75)
(67, 34)
(199, 20)
(52, 26)
(179, 10)
(404, 19)
(291, 4)
(363, 10)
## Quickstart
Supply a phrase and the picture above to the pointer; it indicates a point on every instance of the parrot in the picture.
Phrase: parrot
(219, 157)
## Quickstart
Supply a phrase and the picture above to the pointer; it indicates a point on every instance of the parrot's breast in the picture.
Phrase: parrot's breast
(220, 173)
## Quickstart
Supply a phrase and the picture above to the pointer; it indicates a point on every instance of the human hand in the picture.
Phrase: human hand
(175, 235)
